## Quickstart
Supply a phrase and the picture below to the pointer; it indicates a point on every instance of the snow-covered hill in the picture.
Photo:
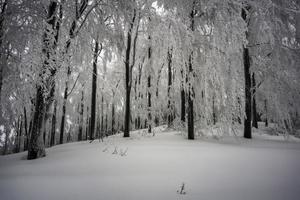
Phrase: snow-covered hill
(145, 167)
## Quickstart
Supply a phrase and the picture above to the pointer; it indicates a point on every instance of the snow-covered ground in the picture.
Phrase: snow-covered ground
(230, 168)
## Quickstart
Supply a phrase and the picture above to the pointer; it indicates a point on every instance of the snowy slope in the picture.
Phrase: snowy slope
(155, 168)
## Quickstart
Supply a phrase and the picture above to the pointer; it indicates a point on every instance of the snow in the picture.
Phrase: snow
(231, 168)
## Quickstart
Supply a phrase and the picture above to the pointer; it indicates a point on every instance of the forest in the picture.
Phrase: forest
(88, 71)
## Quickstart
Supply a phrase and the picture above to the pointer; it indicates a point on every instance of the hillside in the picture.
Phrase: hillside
(155, 168)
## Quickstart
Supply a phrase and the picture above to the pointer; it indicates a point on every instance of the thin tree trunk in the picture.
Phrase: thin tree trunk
(53, 125)
(113, 115)
(266, 111)
(63, 117)
(149, 106)
(87, 123)
(182, 95)
(102, 116)
(81, 116)
(246, 60)
(26, 130)
(254, 115)
(214, 111)
(149, 87)
(94, 91)
(191, 89)
(169, 86)
(128, 78)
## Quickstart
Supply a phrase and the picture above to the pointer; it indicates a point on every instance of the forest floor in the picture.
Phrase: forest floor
(145, 167)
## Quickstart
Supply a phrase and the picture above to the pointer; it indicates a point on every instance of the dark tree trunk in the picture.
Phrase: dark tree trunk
(190, 106)
(246, 60)
(26, 138)
(191, 89)
(106, 118)
(17, 138)
(139, 95)
(80, 133)
(214, 111)
(266, 111)
(87, 123)
(36, 147)
(53, 125)
(113, 116)
(182, 94)
(157, 89)
(128, 78)
(149, 89)
(149, 106)
(94, 91)
(169, 87)
(254, 115)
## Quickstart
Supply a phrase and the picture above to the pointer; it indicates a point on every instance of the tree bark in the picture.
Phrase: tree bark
(169, 86)
(2, 18)
(26, 138)
(113, 116)
(80, 133)
(266, 111)
(128, 74)
(36, 146)
(191, 88)
(53, 125)
(246, 60)
(254, 115)
(182, 95)
(94, 91)
(149, 106)
(63, 116)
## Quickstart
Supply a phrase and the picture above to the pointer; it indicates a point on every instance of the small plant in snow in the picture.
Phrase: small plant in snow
(115, 151)
(123, 153)
(105, 149)
(181, 189)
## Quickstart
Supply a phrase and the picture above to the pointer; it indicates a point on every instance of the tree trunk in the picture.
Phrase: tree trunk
(36, 146)
(191, 89)
(149, 106)
(266, 111)
(254, 115)
(214, 111)
(106, 118)
(182, 94)
(246, 60)
(113, 115)
(94, 90)
(80, 133)
(149, 87)
(63, 117)
(87, 123)
(26, 138)
(102, 116)
(128, 78)
(53, 125)
(169, 86)
(2, 18)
